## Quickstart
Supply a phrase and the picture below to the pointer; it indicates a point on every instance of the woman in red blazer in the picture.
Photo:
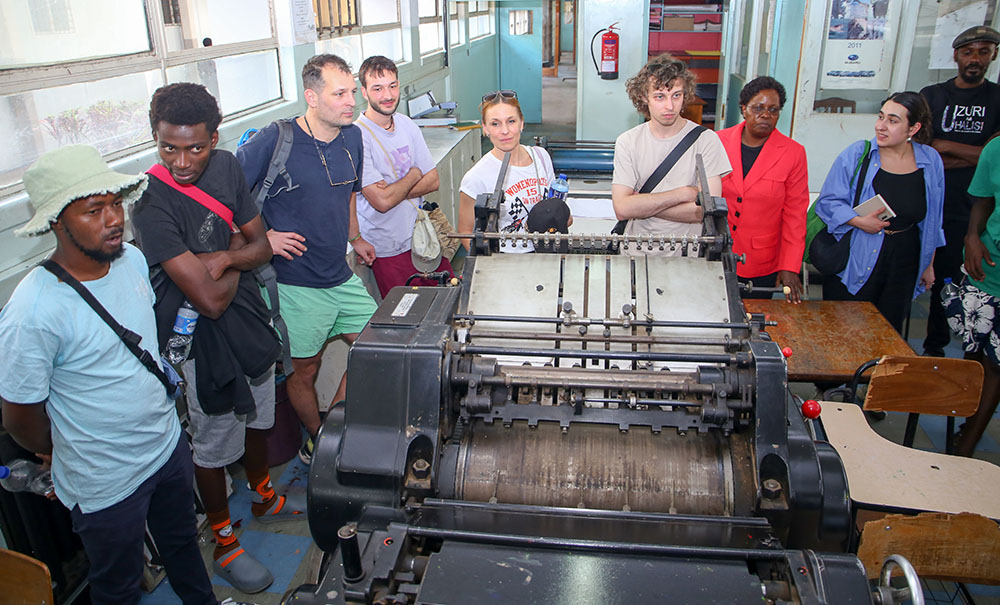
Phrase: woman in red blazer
(767, 191)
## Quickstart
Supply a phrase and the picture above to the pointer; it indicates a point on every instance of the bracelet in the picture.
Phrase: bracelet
(354, 239)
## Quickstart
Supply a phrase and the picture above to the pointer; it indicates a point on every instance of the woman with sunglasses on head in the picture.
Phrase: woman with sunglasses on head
(528, 175)
(891, 261)
(767, 192)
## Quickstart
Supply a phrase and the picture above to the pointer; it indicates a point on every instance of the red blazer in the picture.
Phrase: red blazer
(767, 211)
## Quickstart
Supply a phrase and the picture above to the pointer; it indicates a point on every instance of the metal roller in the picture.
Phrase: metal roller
(598, 467)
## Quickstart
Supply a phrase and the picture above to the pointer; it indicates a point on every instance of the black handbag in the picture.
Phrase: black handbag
(828, 254)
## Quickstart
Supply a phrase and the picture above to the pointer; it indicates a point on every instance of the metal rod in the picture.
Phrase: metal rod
(626, 401)
(624, 355)
(656, 240)
(699, 552)
(639, 339)
(591, 378)
(587, 321)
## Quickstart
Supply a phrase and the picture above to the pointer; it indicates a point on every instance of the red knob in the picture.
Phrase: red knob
(787, 351)
(811, 409)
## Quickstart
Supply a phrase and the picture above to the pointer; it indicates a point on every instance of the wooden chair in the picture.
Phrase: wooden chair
(926, 385)
(24, 580)
(835, 105)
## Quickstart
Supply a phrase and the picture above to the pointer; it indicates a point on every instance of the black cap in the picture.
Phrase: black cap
(550, 215)
(979, 33)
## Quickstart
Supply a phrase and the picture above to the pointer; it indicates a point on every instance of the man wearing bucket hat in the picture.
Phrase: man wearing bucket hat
(76, 392)
(966, 114)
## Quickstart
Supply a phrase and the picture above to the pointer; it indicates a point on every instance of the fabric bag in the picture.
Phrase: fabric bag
(828, 254)
(815, 225)
(449, 245)
(425, 249)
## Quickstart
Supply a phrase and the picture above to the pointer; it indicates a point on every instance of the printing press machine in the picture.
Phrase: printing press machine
(578, 428)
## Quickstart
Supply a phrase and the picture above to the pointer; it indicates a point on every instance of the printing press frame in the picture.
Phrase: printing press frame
(454, 476)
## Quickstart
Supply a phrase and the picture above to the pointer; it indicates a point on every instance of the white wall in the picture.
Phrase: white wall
(603, 108)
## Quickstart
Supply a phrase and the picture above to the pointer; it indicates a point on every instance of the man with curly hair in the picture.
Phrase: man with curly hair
(659, 92)
(203, 237)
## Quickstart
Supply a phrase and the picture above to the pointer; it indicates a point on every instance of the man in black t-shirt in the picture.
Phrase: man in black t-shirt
(203, 251)
(966, 111)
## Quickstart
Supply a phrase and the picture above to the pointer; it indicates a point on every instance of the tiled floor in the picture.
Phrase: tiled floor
(285, 548)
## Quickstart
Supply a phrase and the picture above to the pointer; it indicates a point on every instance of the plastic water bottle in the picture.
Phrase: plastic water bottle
(179, 344)
(559, 188)
(949, 292)
(25, 476)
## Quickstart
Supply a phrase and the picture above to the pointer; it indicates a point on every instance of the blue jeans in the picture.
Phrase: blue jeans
(114, 537)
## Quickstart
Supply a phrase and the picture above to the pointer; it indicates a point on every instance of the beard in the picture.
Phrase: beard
(972, 78)
(378, 108)
(96, 253)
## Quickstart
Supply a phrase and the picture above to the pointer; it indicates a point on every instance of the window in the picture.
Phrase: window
(431, 28)
(83, 71)
(520, 22)
(51, 16)
(354, 30)
(456, 31)
(482, 15)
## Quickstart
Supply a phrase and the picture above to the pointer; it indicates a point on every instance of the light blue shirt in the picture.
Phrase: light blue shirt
(835, 205)
(112, 423)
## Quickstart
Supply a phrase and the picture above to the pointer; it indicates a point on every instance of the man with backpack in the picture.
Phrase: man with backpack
(308, 203)
(653, 188)
(203, 237)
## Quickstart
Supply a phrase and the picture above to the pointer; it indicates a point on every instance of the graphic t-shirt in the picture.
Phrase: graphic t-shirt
(524, 187)
(963, 115)
(388, 157)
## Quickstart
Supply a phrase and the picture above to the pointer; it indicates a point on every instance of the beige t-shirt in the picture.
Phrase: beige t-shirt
(638, 153)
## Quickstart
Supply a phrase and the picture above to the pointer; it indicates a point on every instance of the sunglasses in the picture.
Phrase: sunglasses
(496, 94)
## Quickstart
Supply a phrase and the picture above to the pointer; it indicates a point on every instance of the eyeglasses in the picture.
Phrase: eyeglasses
(322, 159)
(759, 110)
(496, 94)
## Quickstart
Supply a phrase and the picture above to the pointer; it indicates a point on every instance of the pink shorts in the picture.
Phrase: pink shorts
(392, 271)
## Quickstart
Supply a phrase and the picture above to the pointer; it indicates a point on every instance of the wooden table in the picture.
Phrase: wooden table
(829, 339)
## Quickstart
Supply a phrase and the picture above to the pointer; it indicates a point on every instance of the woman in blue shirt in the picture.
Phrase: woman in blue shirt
(891, 262)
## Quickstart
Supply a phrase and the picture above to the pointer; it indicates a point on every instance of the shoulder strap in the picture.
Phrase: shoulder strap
(276, 167)
(130, 338)
(671, 159)
(861, 168)
(206, 200)
(381, 146)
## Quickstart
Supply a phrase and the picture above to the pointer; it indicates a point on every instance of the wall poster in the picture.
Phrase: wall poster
(860, 44)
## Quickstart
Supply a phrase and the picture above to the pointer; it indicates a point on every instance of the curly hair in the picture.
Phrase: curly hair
(917, 111)
(376, 65)
(312, 71)
(660, 72)
(184, 104)
(760, 84)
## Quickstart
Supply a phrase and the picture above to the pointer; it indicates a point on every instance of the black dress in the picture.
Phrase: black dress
(890, 285)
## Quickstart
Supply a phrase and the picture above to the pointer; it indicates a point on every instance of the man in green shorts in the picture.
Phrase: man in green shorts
(312, 220)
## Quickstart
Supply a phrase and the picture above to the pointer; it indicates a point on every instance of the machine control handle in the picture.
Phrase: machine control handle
(350, 555)
(811, 409)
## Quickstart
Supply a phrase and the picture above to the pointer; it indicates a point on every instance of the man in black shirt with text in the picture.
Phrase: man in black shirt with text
(966, 112)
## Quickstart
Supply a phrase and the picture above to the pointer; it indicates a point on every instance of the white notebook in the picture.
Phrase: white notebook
(871, 205)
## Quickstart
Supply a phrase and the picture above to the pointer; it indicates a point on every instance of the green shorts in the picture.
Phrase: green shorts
(315, 315)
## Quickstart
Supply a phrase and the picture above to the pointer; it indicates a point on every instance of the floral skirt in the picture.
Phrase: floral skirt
(972, 315)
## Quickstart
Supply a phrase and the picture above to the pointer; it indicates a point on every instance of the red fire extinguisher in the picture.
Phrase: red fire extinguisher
(608, 69)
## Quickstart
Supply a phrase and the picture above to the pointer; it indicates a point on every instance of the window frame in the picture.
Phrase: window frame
(36, 77)
(439, 19)
(339, 31)
(490, 12)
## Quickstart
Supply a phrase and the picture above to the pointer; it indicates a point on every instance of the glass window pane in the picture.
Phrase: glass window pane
(430, 37)
(226, 79)
(110, 114)
(457, 32)
(220, 22)
(347, 48)
(52, 31)
(377, 13)
(427, 8)
(386, 43)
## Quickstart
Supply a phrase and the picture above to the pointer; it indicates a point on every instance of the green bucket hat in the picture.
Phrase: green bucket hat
(76, 171)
